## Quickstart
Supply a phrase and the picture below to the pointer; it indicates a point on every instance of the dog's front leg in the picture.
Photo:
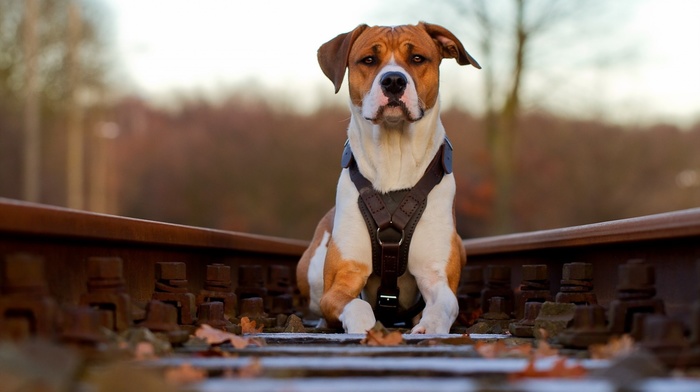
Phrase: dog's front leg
(440, 311)
(343, 281)
(438, 283)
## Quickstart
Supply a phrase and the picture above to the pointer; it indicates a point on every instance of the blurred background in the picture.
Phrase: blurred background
(214, 113)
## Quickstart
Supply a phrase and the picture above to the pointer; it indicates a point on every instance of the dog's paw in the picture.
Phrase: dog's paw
(428, 327)
(439, 313)
(436, 320)
(357, 317)
(418, 329)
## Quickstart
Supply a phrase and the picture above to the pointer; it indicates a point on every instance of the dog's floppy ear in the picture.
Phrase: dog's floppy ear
(333, 55)
(451, 46)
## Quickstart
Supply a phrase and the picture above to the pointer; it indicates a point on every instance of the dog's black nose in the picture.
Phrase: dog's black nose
(393, 84)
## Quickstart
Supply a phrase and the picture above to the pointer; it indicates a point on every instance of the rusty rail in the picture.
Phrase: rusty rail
(66, 238)
(670, 242)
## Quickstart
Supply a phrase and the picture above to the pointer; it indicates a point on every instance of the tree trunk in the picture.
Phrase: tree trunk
(75, 160)
(502, 131)
(32, 131)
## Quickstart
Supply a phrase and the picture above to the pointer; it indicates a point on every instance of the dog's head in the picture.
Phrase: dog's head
(393, 72)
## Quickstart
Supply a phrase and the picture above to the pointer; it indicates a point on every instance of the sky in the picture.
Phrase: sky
(645, 68)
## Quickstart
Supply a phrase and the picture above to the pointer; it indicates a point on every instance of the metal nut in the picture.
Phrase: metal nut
(497, 273)
(105, 268)
(535, 272)
(218, 273)
(24, 270)
(171, 271)
(577, 271)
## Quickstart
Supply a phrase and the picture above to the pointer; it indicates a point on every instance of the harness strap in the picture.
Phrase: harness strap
(391, 224)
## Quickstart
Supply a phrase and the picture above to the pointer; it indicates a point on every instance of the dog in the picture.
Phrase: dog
(395, 137)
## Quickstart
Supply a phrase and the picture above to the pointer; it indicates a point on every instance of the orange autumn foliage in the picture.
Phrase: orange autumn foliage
(499, 349)
(616, 346)
(380, 336)
(249, 326)
(560, 369)
(215, 336)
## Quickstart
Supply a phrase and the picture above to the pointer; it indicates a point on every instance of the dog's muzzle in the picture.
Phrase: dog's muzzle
(393, 85)
(392, 98)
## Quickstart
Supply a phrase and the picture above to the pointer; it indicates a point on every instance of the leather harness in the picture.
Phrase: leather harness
(391, 219)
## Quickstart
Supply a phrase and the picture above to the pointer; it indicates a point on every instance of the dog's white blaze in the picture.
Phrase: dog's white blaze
(315, 274)
(375, 98)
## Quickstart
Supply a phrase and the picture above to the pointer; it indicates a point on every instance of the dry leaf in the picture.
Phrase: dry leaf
(464, 340)
(249, 326)
(544, 349)
(185, 373)
(380, 336)
(499, 349)
(216, 336)
(616, 347)
(559, 370)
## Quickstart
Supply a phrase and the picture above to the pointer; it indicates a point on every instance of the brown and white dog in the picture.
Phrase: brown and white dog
(394, 133)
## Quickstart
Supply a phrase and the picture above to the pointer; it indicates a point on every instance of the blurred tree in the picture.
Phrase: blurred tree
(514, 37)
(529, 21)
(36, 56)
(32, 136)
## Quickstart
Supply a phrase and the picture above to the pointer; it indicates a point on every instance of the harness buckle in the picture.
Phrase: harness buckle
(390, 301)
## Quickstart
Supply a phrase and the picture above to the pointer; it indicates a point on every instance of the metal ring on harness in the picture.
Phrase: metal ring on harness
(379, 239)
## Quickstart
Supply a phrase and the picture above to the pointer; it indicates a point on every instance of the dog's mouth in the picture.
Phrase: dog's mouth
(395, 111)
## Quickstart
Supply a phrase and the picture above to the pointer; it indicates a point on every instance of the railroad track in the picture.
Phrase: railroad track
(63, 272)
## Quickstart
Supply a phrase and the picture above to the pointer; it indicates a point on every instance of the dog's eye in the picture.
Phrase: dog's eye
(418, 58)
(369, 60)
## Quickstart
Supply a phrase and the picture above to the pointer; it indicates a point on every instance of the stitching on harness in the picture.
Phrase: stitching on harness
(409, 204)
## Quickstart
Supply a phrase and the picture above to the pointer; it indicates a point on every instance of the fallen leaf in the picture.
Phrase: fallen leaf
(559, 369)
(499, 349)
(464, 340)
(249, 326)
(544, 349)
(616, 347)
(184, 374)
(380, 336)
(134, 338)
(213, 336)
